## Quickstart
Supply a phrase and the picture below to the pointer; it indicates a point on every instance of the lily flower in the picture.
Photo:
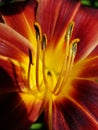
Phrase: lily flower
(49, 64)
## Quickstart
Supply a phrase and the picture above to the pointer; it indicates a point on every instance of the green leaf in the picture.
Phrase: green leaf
(36, 126)
(90, 3)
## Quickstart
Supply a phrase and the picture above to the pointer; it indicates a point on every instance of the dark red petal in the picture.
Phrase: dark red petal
(85, 93)
(59, 121)
(19, 106)
(21, 17)
(68, 116)
(12, 114)
(17, 73)
(54, 15)
(86, 28)
(75, 117)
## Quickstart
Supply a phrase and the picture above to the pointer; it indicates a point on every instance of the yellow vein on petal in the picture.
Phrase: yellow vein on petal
(70, 20)
(75, 11)
(85, 61)
(85, 78)
(31, 33)
(5, 58)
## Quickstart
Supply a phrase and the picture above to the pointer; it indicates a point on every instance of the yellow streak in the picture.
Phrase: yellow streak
(37, 66)
(75, 11)
(30, 33)
(65, 66)
(50, 111)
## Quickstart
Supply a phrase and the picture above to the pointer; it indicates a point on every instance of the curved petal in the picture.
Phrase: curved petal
(12, 44)
(86, 29)
(54, 16)
(87, 69)
(21, 18)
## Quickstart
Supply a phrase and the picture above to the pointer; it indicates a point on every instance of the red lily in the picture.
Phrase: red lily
(45, 69)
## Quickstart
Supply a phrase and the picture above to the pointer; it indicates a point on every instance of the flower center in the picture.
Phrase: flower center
(46, 77)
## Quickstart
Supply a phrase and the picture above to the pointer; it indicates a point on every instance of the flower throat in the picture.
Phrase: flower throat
(69, 56)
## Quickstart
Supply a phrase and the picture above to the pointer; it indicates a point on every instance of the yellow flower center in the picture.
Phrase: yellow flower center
(43, 78)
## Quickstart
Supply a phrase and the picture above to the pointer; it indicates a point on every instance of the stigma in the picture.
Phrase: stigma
(52, 82)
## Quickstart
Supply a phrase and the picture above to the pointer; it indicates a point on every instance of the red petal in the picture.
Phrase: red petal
(86, 28)
(54, 15)
(12, 44)
(34, 106)
(21, 17)
(87, 68)
(94, 53)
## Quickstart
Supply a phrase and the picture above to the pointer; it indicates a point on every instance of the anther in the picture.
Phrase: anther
(74, 46)
(49, 73)
(30, 57)
(69, 31)
(38, 31)
(44, 41)
(29, 67)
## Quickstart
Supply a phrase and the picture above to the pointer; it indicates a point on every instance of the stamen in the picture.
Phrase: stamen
(72, 54)
(69, 31)
(74, 46)
(29, 67)
(67, 41)
(44, 42)
(30, 57)
(38, 31)
(38, 38)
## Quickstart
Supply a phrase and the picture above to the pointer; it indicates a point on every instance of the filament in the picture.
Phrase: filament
(29, 67)
(38, 38)
(64, 67)
(70, 61)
